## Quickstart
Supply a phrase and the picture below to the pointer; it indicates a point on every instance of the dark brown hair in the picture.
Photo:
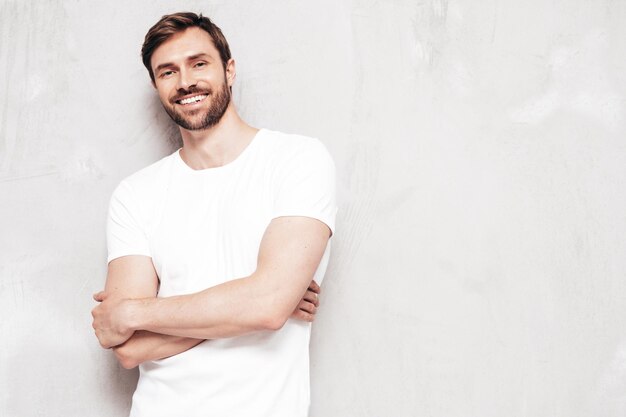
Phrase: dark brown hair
(171, 24)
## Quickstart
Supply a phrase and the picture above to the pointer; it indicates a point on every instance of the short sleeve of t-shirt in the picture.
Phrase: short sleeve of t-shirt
(125, 234)
(307, 184)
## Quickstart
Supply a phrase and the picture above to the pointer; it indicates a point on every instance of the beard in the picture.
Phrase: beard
(212, 115)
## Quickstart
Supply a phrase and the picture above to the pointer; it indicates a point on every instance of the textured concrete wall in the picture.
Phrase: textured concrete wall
(479, 264)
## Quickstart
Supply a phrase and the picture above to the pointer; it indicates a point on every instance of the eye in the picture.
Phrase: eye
(200, 64)
(166, 74)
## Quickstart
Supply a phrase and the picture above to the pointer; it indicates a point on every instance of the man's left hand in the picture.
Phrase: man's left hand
(307, 307)
(110, 320)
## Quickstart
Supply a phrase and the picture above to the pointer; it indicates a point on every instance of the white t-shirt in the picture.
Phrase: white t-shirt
(202, 228)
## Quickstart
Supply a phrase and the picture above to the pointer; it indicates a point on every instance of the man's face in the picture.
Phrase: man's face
(191, 81)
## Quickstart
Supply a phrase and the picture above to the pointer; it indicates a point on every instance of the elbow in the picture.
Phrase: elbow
(274, 324)
(125, 357)
(272, 308)
(274, 321)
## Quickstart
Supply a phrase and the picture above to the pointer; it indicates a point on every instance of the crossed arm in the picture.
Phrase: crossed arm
(141, 327)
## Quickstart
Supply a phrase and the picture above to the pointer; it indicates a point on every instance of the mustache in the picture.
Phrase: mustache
(181, 93)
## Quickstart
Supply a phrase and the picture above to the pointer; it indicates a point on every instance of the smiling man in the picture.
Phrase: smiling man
(214, 251)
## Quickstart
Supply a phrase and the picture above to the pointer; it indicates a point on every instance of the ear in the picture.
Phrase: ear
(231, 72)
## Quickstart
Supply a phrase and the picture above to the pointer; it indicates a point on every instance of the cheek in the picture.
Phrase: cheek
(164, 95)
(164, 90)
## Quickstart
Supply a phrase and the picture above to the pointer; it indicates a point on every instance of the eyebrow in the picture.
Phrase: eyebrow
(189, 58)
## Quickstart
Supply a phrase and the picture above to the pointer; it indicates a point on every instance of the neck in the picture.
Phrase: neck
(219, 144)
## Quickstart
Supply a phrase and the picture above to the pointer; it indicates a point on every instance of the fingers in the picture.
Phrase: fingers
(100, 337)
(314, 287)
(305, 311)
(303, 316)
(307, 307)
(311, 297)
(99, 296)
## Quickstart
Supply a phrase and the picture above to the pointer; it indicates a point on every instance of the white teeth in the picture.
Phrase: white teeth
(192, 99)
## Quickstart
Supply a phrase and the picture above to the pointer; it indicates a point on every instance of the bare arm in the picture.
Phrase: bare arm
(290, 252)
(135, 277)
(148, 346)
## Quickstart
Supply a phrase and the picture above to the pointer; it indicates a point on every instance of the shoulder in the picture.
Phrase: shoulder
(146, 181)
(287, 146)
(152, 172)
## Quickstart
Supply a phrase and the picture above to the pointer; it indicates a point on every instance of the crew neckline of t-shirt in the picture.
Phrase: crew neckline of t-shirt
(232, 164)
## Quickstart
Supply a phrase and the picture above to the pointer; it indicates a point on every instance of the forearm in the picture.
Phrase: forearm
(290, 252)
(230, 309)
(146, 346)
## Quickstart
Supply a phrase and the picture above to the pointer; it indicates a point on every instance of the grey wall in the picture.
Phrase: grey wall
(479, 264)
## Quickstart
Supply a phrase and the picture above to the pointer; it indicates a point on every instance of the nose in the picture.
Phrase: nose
(185, 79)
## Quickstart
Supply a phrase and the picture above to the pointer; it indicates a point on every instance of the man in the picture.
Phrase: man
(229, 232)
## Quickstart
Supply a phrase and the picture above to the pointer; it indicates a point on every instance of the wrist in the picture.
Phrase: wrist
(137, 312)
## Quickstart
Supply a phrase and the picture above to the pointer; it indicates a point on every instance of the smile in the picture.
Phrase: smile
(191, 100)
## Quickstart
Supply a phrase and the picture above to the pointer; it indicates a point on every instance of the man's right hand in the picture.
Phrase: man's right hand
(307, 307)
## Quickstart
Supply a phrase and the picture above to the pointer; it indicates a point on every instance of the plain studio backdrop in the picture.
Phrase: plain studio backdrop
(478, 267)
